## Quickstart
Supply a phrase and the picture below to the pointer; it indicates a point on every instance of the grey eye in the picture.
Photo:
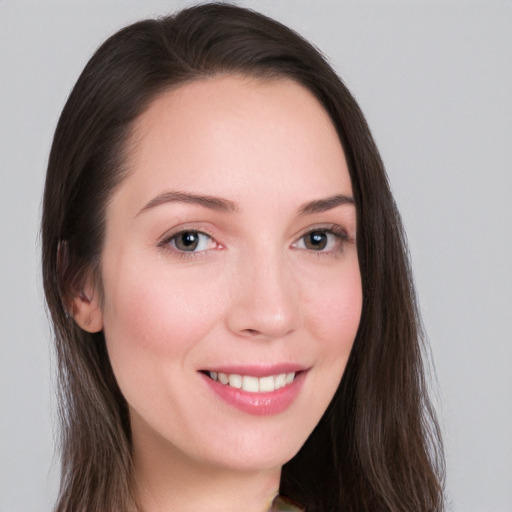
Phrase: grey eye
(316, 240)
(190, 241)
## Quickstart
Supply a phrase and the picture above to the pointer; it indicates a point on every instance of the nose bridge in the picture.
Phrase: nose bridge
(265, 301)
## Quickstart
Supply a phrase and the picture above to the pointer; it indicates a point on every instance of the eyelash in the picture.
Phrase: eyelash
(167, 243)
(340, 234)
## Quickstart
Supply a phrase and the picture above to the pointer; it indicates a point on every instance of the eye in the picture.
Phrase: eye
(191, 241)
(316, 240)
(322, 240)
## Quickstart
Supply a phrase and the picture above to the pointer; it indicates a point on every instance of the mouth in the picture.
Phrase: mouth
(257, 389)
(251, 383)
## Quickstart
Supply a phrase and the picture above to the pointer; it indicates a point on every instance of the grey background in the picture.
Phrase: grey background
(434, 80)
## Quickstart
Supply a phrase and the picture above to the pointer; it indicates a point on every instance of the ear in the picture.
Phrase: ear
(86, 308)
(78, 289)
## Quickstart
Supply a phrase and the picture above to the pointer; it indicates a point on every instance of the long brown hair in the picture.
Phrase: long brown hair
(377, 447)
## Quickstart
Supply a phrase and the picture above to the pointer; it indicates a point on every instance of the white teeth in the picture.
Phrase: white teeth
(250, 384)
(235, 380)
(254, 384)
(267, 383)
(280, 380)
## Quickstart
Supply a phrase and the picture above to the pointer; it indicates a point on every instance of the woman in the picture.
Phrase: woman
(228, 282)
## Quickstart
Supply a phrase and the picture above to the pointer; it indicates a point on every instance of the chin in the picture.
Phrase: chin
(256, 451)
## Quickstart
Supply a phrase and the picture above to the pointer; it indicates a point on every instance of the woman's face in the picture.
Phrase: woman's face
(230, 255)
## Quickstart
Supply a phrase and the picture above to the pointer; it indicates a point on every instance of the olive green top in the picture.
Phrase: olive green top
(284, 504)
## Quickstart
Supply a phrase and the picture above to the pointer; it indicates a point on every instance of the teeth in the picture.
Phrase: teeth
(267, 383)
(235, 381)
(249, 384)
(254, 384)
(280, 380)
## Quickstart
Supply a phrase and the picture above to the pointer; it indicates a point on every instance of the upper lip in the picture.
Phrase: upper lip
(257, 370)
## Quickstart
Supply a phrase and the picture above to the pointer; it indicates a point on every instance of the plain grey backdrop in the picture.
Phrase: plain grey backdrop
(435, 82)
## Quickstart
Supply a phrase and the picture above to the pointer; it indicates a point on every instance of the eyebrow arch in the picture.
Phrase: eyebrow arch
(322, 205)
(212, 202)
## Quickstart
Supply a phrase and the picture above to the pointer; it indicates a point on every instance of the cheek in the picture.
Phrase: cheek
(153, 313)
(334, 310)
(333, 314)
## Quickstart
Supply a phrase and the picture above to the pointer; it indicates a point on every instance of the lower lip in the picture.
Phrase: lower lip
(261, 404)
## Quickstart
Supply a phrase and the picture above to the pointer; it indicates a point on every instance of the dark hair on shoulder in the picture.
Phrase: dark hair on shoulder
(377, 447)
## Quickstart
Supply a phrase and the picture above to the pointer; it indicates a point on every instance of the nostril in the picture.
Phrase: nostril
(253, 317)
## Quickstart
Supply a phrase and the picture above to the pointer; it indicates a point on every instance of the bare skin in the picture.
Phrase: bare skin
(230, 242)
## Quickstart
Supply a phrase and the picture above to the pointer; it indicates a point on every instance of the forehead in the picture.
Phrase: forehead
(227, 134)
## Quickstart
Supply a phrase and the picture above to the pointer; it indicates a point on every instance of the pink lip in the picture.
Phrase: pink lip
(260, 370)
(259, 404)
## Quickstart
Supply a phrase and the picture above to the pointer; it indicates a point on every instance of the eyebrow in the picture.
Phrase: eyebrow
(225, 205)
(211, 202)
(323, 205)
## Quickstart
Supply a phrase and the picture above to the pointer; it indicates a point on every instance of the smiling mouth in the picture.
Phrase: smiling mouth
(253, 384)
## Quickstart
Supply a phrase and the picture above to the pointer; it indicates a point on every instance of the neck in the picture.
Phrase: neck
(168, 481)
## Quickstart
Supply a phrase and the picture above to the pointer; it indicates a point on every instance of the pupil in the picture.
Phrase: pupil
(188, 241)
(317, 240)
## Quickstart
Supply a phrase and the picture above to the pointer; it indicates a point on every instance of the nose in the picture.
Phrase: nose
(265, 300)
